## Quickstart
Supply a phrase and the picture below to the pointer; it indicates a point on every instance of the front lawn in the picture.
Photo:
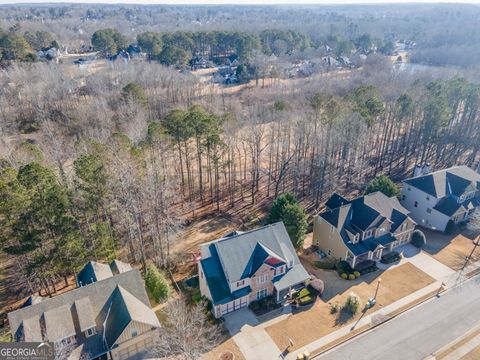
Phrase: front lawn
(318, 321)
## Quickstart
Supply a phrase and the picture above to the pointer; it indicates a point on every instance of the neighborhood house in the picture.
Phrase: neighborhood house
(107, 317)
(436, 198)
(362, 229)
(246, 266)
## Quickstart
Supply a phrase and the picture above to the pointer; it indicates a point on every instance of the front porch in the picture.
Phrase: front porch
(375, 255)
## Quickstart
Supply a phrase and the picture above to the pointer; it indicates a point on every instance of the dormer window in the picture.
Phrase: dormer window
(90, 332)
(240, 283)
(368, 233)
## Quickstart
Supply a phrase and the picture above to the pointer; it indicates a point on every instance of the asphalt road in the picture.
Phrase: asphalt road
(419, 332)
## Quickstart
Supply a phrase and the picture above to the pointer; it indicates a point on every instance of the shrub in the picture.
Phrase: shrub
(352, 304)
(318, 285)
(351, 277)
(391, 257)
(326, 264)
(344, 267)
(418, 239)
(334, 308)
(344, 276)
(254, 306)
(357, 274)
(157, 284)
(363, 265)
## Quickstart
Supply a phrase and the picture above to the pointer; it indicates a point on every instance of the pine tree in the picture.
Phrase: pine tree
(157, 284)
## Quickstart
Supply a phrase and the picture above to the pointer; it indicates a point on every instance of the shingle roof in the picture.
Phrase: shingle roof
(84, 311)
(119, 267)
(453, 181)
(59, 323)
(336, 201)
(29, 330)
(363, 213)
(124, 309)
(59, 308)
(240, 256)
(93, 271)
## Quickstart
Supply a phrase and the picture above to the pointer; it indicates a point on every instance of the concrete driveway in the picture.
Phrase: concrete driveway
(240, 320)
(425, 262)
(251, 338)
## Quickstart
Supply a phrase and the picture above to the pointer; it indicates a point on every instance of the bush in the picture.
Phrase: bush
(357, 274)
(351, 277)
(352, 304)
(254, 306)
(344, 267)
(363, 265)
(418, 239)
(344, 276)
(334, 308)
(326, 264)
(318, 285)
(157, 284)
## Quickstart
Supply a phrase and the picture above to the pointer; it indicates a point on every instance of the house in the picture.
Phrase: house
(361, 229)
(435, 198)
(247, 266)
(107, 317)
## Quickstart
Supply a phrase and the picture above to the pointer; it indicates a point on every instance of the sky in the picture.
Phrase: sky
(239, 2)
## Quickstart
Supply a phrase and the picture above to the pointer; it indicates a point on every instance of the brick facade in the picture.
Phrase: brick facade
(263, 270)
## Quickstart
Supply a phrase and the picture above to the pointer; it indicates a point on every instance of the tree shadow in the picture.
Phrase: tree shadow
(343, 317)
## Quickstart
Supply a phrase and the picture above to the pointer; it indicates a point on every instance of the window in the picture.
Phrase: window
(428, 197)
(329, 252)
(332, 228)
(368, 234)
(261, 293)
(409, 188)
(134, 333)
(240, 283)
(403, 197)
(429, 210)
(262, 279)
(416, 204)
(90, 332)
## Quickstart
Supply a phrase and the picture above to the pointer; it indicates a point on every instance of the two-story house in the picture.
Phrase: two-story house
(107, 317)
(362, 229)
(246, 266)
(434, 199)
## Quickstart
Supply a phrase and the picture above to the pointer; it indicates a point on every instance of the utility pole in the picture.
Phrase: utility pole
(476, 242)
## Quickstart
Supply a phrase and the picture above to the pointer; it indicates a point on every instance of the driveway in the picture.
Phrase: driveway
(421, 260)
(240, 320)
(253, 340)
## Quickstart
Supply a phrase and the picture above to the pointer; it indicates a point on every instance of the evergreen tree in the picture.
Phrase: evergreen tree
(278, 207)
(295, 222)
(384, 184)
(157, 284)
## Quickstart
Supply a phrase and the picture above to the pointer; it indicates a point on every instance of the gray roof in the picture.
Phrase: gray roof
(453, 181)
(84, 312)
(29, 330)
(239, 256)
(124, 309)
(235, 252)
(363, 213)
(93, 271)
(59, 323)
(119, 267)
(60, 310)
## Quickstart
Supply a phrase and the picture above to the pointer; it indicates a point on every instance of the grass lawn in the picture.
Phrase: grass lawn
(225, 347)
(316, 322)
(450, 250)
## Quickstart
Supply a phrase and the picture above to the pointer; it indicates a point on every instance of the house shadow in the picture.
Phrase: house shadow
(437, 241)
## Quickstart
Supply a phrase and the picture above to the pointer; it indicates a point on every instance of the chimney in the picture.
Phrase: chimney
(426, 168)
(417, 171)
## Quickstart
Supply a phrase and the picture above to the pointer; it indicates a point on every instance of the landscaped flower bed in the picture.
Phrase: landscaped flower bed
(346, 272)
(263, 306)
(391, 257)
(366, 267)
(306, 296)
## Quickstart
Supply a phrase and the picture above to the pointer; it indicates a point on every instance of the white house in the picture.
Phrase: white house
(435, 198)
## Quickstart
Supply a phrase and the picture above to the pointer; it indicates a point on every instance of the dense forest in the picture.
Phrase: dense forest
(115, 160)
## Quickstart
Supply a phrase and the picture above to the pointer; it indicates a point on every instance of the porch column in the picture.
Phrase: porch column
(353, 261)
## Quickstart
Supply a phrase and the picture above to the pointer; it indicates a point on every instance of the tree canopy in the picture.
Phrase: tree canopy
(384, 184)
